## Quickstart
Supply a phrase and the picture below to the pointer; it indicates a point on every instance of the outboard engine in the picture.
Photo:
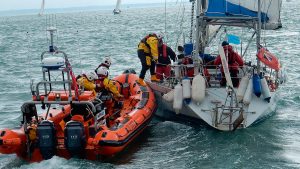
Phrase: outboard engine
(46, 139)
(75, 139)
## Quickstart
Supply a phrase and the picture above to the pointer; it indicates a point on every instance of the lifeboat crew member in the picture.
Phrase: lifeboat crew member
(105, 63)
(103, 82)
(148, 55)
(163, 67)
(87, 81)
(234, 62)
(106, 86)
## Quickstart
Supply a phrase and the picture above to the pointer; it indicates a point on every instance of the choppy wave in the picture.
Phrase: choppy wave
(89, 36)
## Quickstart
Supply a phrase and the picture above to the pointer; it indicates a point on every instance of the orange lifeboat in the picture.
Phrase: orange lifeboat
(268, 59)
(82, 128)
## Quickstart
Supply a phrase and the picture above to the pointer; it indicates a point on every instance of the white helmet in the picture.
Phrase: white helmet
(91, 76)
(106, 61)
(102, 71)
(160, 36)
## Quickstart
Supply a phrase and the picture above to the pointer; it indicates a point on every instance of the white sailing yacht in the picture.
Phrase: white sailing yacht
(42, 8)
(201, 95)
(117, 9)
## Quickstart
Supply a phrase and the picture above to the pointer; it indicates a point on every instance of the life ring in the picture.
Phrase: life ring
(268, 59)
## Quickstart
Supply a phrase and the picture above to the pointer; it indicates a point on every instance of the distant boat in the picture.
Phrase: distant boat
(42, 8)
(117, 9)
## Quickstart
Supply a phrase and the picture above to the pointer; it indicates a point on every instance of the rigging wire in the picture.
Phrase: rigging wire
(182, 7)
(47, 40)
(166, 37)
(57, 32)
(192, 20)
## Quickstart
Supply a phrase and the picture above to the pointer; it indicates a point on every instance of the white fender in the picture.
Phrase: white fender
(186, 85)
(169, 96)
(242, 88)
(248, 94)
(178, 98)
(265, 89)
(198, 89)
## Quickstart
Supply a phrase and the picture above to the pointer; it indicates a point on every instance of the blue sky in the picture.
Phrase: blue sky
(35, 4)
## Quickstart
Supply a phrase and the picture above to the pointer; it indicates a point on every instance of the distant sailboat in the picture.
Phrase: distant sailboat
(42, 8)
(117, 9)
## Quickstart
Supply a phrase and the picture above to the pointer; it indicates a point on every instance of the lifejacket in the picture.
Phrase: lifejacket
(103, 93)
(144, 40)
(100, 84)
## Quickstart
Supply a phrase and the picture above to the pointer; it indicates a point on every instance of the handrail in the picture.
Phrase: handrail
(50, 82)
(63, 103)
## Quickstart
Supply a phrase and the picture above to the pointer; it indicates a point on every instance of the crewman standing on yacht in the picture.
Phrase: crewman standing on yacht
(234, 62)
(163, 67)
(148, 55)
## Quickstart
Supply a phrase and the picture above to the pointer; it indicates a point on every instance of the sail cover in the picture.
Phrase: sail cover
(270, 10)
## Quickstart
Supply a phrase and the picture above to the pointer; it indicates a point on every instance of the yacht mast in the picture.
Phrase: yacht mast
(258, 31)
(42, 8)
(197, 36)
(201, 29)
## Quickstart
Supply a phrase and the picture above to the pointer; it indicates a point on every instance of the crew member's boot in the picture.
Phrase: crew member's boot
(154, 78)
(141, 82)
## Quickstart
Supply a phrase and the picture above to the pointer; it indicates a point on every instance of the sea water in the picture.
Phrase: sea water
(88, 36)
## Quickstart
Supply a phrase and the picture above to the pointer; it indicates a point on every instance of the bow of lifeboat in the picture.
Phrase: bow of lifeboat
(138, 107)
(11, 141)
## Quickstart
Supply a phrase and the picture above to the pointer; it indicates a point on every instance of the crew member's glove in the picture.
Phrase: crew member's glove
(155, 58)
(119, 96)
(148, 60)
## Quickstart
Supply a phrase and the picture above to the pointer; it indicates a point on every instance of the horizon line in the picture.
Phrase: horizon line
(51, 8)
